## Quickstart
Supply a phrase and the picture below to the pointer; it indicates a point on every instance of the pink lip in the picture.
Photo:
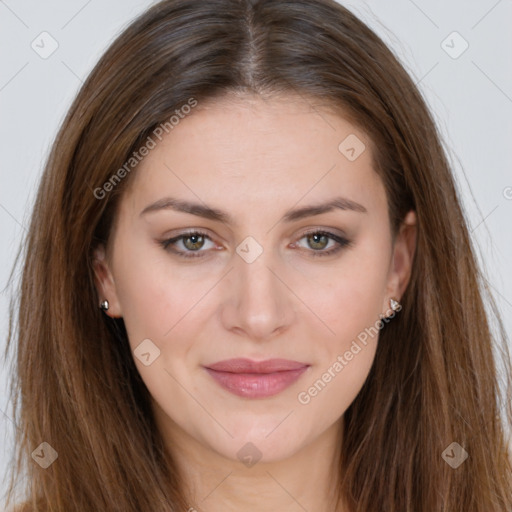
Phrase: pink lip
(256, 379)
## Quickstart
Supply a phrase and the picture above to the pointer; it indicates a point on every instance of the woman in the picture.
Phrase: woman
(290, 312)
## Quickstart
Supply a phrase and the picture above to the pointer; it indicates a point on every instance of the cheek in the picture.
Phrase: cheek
(350, 304)
(349, 296)
(350, 307)
(151, 292)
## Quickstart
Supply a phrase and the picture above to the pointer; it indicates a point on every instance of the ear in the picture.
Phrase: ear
(402, 259)
(104, 281)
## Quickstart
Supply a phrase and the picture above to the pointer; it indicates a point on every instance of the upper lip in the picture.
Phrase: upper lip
(243, 365)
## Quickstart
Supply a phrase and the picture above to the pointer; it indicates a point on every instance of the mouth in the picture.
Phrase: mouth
(253, 379)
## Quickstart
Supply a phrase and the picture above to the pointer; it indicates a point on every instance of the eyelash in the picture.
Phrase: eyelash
(342, 243)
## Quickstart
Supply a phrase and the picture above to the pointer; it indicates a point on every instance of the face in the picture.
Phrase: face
(218, 254)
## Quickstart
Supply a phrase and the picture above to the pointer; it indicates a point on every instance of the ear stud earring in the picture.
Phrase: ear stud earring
(395, 305)
(104, 305)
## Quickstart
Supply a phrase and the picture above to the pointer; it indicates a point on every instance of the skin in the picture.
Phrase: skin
(254, 159)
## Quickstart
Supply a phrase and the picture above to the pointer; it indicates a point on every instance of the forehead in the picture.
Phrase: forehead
(271, 150)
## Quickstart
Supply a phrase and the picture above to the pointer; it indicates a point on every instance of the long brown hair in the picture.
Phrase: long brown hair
(435, 378)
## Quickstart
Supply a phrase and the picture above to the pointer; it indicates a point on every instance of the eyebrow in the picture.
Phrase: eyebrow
(201, 210)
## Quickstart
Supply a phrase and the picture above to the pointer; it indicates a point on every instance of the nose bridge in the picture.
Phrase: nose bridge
(255, 277)
(259, 300)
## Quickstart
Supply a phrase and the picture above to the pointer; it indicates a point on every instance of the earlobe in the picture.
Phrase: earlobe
(105, 284)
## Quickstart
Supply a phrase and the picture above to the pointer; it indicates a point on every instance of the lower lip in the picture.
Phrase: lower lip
(256, 385)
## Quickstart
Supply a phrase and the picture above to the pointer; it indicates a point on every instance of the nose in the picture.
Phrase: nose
(258, 303)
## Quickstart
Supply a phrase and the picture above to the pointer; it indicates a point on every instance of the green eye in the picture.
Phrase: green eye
(194, 241)
(197, 241)
(319, 240)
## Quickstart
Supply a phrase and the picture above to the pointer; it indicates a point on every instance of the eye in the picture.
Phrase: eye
(191, 243)
(319, 240)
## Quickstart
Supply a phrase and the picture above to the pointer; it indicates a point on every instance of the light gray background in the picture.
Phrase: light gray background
(471, 97)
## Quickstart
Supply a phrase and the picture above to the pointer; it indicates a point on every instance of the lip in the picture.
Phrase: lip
(256, 379)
